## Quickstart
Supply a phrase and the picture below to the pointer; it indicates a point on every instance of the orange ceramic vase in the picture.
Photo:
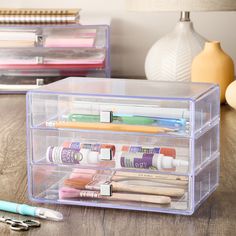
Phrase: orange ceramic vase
(213, 65)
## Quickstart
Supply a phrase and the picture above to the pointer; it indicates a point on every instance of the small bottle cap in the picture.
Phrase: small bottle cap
(162, 162)
(168, 152)
(180, 163)
(167, 162)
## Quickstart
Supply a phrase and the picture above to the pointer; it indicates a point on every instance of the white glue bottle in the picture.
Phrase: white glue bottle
(147, 161)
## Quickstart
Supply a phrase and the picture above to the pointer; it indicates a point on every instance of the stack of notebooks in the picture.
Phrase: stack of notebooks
(50, 45)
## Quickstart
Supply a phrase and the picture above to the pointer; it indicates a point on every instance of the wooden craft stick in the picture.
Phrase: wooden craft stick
(140, 198)
(165, 191)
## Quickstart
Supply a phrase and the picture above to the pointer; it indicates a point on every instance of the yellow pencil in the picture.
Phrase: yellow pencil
(109, 127)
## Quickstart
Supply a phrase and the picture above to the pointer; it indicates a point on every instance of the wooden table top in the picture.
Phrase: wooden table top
(217, 216)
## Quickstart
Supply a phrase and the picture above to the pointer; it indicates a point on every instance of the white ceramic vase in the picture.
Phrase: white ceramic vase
(171, 57)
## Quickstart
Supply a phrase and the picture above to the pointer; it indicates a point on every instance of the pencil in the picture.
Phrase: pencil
(108, 127)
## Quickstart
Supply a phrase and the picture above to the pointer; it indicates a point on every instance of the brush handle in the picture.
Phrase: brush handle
(109, 126)
(150, 175)
(165, 181)
(172, 192)
(140, 198)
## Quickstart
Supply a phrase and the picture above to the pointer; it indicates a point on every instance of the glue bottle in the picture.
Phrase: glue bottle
(147, 161)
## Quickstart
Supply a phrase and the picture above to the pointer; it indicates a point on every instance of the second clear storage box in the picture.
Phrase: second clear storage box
(128, 144)
(54, 51)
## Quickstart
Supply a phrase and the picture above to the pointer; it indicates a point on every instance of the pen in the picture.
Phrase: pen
(27, 210)
(130, 119)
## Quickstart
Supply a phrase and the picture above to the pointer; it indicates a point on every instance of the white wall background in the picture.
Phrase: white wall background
(134, 33)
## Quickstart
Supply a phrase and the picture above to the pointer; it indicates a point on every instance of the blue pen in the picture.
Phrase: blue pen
(27, 210)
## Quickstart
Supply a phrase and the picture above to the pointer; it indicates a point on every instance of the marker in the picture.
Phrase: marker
(131, 120)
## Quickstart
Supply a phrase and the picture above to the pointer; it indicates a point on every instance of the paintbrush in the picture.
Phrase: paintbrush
(90, 184)
(65, 193)
(119, 176)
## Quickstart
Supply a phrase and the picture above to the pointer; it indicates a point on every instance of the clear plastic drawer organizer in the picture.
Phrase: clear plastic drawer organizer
(125, 144)
(55, 50)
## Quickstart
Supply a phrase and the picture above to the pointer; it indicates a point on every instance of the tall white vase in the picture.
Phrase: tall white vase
(171, 57)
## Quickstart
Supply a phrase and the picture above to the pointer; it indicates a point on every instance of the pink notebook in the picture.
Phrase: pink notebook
(69, 42)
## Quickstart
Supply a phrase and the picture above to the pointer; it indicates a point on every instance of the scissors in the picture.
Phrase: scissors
(20, 225)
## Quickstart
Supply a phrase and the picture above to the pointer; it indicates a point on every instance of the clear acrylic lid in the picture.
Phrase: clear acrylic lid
(128, 88)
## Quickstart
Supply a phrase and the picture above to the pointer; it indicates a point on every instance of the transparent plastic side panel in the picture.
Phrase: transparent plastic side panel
(206, 181)
(109, 151)
(131, 115)
(113, 189)
(207, 109)
(206, 146)
(41, 110)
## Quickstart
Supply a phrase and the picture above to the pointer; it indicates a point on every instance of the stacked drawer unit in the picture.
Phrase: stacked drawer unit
(127, 144)
(52, 52)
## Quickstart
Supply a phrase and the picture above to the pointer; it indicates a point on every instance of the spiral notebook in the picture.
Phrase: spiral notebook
(39, 16)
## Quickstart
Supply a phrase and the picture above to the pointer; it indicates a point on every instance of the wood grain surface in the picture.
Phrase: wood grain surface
(217, 216)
